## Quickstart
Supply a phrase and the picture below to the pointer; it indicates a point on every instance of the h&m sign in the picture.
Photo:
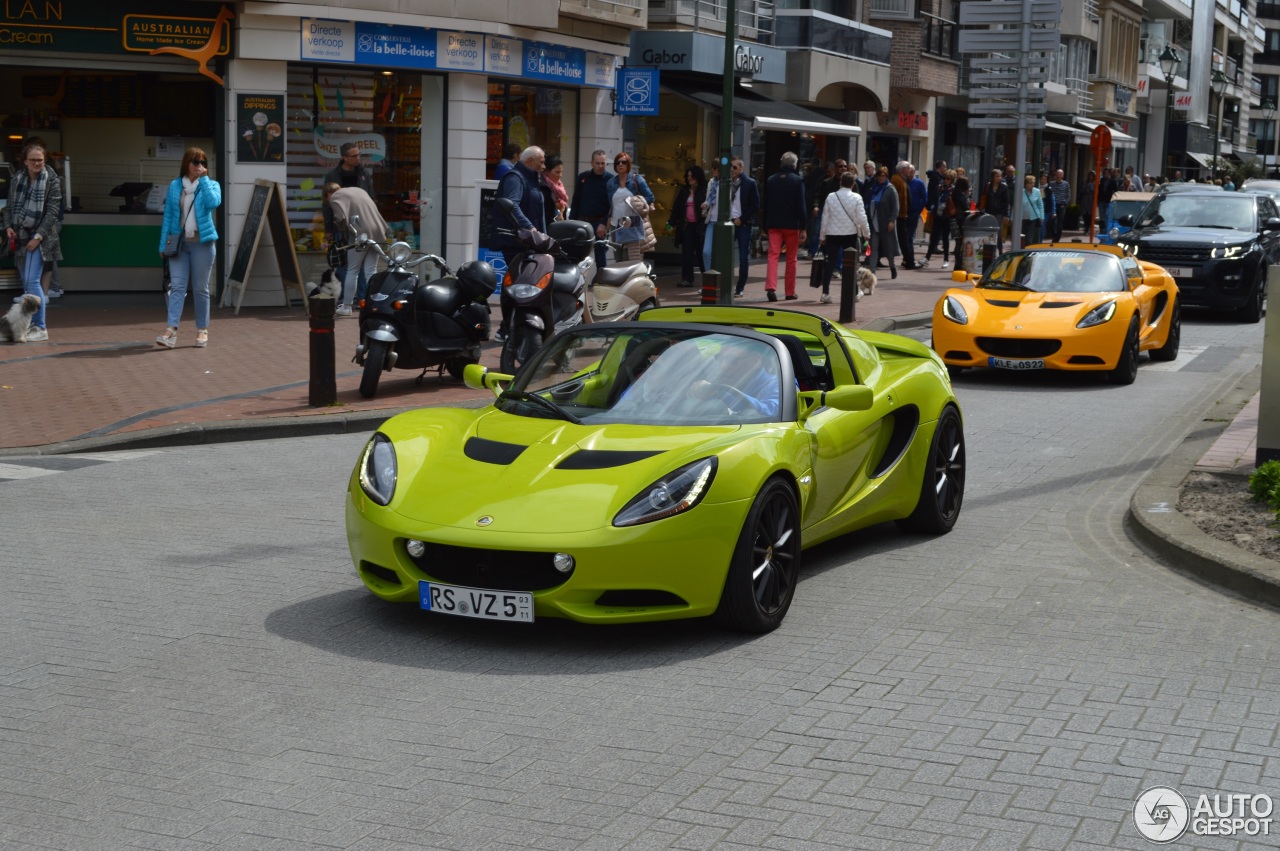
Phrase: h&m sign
(910, 120)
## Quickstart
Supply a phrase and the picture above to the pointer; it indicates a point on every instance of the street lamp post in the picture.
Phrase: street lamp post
(1219, 82)
(1268, 113)
(1169, 62)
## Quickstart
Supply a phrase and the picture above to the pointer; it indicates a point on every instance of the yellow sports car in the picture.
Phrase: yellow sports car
(1060, 306)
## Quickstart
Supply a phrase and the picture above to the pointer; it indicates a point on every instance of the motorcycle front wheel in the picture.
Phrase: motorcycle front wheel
(522, 343)
(374, 359)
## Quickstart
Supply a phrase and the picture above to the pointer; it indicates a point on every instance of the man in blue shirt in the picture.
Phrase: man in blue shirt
(917, 200)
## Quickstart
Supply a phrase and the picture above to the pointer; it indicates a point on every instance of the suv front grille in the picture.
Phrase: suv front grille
(1173, 253)
(498, 570)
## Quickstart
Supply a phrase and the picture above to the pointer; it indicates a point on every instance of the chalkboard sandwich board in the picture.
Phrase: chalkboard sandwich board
(266, 205)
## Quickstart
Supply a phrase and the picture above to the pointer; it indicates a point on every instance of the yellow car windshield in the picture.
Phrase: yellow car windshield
(1056, 271)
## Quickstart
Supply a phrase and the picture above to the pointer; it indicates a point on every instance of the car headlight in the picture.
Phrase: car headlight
(954, 310)
(378, 469)
(1229, 251)
(400, 253)
(675, 492)
(1098, 315)
(1114, 233)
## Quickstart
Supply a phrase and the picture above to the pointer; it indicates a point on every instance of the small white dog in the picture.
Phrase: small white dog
(327, 286)
(15, 324)
(866, 280)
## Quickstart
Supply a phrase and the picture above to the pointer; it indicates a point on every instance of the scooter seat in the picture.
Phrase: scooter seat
(613, 275)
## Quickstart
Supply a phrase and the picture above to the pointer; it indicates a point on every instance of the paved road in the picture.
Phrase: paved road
(187, 662)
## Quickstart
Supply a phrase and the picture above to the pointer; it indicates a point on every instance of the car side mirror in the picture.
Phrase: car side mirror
(848, 397)
(960, 276)
(1272, 223)
(1127, 221)
(479, 377)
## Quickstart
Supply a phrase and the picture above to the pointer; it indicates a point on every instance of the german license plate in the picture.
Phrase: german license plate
(476, 602)
(1178, 271)
(1016, 363)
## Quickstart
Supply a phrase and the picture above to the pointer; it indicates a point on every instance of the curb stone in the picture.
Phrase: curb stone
(1154, 522)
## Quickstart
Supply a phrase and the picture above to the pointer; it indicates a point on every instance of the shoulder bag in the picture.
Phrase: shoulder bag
(173, 241)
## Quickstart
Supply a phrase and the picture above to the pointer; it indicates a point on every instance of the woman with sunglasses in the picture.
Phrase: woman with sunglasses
(188, 212)
(621, 187)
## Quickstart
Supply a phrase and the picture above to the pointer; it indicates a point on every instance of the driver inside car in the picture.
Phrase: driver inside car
(745, 374)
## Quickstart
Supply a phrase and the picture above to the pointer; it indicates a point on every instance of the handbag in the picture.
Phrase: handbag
(166, 279)
(171, 244)
(817, 270)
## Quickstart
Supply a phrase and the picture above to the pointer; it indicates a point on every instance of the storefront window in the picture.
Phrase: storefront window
(667, 144)
(524, 115)
(394, 117)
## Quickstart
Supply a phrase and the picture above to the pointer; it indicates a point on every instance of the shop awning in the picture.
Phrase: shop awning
(1244, 157)
(768, 114)
(1119, 139)
(1205, 160)
(1051, 127)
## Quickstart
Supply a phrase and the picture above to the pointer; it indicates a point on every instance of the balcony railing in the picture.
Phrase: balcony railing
(755, 17)
(795, 28)
(1084, 97)
(939, 36)
(893, 8)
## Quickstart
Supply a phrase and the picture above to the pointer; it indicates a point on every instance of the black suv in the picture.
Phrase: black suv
(1216, 245)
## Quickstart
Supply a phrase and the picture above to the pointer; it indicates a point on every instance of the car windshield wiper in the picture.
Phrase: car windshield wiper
(522, 396)
(1002, 285)
(1217, 227)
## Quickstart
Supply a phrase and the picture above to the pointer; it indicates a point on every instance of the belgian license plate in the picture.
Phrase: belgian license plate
(1178, 271)
(1016, 363)
(476, 602)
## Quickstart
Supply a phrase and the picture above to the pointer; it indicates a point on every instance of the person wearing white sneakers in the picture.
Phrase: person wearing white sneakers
(29, 219)
(188, 213)
(844, 220)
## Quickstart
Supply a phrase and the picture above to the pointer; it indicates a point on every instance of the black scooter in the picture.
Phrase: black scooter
(406, 323)
(546, 290)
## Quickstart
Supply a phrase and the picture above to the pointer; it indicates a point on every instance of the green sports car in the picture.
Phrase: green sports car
(672, 467)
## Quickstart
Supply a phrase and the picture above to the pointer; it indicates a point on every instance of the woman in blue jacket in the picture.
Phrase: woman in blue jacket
(188, 212)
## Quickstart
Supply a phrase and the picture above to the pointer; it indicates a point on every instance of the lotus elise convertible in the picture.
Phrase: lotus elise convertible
(1061, 306)
(672, 467)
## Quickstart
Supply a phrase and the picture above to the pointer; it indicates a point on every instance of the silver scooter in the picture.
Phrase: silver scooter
(619, 293)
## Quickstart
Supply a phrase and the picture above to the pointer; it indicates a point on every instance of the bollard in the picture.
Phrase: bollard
(324, 380)
(988, 257)
(710, 286)
(849, 285)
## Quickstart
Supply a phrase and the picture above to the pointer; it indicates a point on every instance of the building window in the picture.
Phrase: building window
(524, 115)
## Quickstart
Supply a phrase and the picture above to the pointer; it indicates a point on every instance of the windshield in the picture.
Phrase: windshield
(1056, 271)
(1126, 208)
(1201, 211)
(652, 376)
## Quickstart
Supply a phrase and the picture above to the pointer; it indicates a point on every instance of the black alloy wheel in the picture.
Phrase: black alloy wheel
(374, 359)
(1252, 311)
(762, 577)
(1169, 351)
(942, 486)
(1126, 370)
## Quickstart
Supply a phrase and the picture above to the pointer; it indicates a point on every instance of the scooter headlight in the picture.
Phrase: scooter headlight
(523, 291)
(400, 253)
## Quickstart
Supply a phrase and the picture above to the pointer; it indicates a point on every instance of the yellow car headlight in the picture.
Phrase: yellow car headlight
(954, 310)
(1098, 315)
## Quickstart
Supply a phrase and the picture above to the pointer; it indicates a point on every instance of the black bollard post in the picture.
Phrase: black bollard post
(988, 257)
(324, 379)
(710, 286)
(849, 285)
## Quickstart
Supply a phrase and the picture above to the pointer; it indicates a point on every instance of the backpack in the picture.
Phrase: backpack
(949, 210)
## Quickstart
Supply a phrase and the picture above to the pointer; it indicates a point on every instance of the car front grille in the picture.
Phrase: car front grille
(1016, 348)
(498, 570)
(1173, 253)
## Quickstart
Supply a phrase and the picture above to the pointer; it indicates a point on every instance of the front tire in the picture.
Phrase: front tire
(456, 366)
(1126, 370)
(522, 343)
(1252, 312)
(942, 488)
(761, 582)
(1169, 351)
(374, 359)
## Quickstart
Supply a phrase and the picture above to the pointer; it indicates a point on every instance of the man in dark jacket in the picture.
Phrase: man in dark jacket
(784, 219)
(995, 201)
(744, 204)
(917, 200)
(591, 201)
(522, 186)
